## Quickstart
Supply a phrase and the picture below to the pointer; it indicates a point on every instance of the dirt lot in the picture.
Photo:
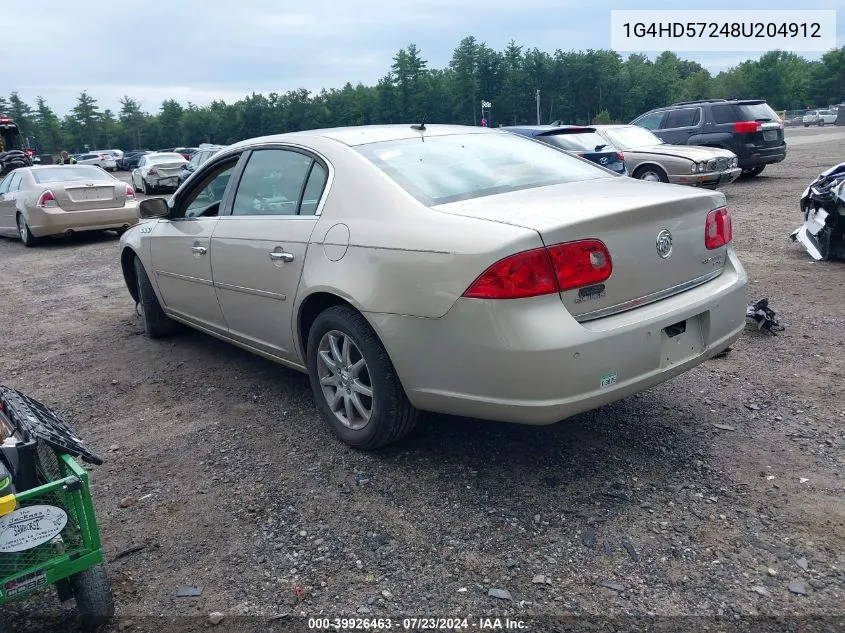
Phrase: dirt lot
(232, 482)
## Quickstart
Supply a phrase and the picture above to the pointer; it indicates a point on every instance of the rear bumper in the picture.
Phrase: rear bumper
(163, 182)
(708, 179)
(755, 156)
(44, 222)
(528, 361)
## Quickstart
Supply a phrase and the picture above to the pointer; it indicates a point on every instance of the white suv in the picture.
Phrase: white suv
(819, 117)
(105, 161)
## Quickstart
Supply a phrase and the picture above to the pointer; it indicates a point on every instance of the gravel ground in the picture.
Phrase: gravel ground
(710, 495)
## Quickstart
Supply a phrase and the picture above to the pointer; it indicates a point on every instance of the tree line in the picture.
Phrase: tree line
(576, 87)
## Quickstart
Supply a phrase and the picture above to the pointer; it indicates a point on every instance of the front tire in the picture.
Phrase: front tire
(94, 599)
(354, 382)
(651, 173)
(156, 323)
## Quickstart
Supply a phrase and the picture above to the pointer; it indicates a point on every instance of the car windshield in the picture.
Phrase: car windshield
(443, 169)
(632, 137)
(165, 158)
(581, 142)
(755, 112)
(68, 173)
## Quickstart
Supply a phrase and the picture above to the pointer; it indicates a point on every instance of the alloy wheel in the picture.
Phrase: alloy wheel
(22, 228)
(345, 379)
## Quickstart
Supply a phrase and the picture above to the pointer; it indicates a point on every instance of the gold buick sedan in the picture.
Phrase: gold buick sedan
(460, 270)
(37, 202)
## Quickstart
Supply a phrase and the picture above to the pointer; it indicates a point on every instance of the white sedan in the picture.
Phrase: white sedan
(157, 172)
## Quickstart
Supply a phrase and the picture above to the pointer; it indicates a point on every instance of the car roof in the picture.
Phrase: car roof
(365, 134)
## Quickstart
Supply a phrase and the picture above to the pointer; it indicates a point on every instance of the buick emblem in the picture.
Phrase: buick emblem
(664, 244)
(603, 160)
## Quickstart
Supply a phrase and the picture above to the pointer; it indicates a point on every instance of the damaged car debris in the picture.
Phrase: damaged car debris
(764, 316)
(823, 206)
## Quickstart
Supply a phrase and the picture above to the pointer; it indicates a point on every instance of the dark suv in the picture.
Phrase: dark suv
(747, 127)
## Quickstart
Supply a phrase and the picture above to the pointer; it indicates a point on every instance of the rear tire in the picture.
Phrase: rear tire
(333, 374)
(25, 235)
(94, 598)
(156, 323)
(651, 173)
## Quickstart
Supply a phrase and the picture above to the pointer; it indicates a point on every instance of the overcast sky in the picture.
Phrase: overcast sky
(201, 50)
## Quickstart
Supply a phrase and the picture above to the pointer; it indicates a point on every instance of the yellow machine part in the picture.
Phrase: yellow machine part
(7, 504)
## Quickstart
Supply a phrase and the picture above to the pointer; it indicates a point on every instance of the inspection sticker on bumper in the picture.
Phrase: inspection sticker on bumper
(607, 380)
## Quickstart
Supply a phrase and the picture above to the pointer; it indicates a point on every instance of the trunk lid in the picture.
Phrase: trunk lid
(627, 215)
(79, 196)
(168, 169)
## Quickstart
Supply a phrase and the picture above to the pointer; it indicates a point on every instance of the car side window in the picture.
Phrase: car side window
(684, 117)
(204, 199)
(272, 183)
(4, 184)
(723, 114)
(313, 189)
(15, 183)
(141, 162)
(650, 121)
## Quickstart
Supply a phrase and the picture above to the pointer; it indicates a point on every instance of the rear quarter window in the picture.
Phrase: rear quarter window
(723, 114)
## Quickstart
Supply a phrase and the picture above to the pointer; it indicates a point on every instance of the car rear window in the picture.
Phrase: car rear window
(733, 112)
(756, 112)
(580, 142)
(443, 169)
(68, 173)
(165, 158)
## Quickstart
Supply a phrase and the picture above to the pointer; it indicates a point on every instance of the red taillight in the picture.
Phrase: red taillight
(47, 200)
(581, 263)
(620, 155)
(152, 171)
(746, 126)
(526, 274)
(582, 155)
(130, 192)
(718, 229)
(544, 271)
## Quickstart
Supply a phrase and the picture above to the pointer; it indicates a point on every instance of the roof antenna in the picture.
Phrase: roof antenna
(421, 126)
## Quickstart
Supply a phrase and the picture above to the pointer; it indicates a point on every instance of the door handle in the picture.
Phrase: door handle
(281, 256)
(199, 250)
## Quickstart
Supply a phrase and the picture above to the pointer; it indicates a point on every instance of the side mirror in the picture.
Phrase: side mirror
(153, 208)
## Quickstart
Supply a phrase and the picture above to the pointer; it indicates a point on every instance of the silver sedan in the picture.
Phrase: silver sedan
(460, 270)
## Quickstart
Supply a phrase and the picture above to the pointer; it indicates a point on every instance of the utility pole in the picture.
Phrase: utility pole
(538, 107)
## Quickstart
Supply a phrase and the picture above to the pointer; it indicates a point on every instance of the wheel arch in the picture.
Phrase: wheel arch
(645, 165)
(127, 265)
(310, 307)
